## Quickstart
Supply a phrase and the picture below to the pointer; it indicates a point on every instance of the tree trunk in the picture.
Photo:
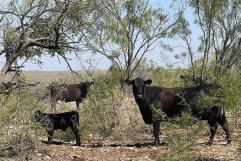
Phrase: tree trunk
(7, 66)
(4, 72)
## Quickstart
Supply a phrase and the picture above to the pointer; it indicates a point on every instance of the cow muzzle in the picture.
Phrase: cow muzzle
(140, 96)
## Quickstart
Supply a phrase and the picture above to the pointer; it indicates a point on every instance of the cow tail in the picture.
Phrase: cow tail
(77, 114)
(222, 113)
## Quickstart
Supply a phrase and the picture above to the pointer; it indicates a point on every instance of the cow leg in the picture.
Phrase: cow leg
(223, 122)
(50, 136)
(213, 128)
(53, 103)
(156, 131)
(76, 133)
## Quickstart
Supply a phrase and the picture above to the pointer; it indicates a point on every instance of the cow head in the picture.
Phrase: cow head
(138, 86)
(87, 84)
(37, 116)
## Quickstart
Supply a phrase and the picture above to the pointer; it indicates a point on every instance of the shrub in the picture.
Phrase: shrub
(18, 133)
(21, 145)
(99, 116)
(181, 137)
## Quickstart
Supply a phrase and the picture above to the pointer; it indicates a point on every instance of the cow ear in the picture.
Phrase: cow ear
(38, 112)
(148, 81)
(128, 82)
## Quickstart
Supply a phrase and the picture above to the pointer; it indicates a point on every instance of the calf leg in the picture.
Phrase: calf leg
(76, 133)
(50, 136)
(213, 128)
(156, 131)
(77, 105)
(223, 122)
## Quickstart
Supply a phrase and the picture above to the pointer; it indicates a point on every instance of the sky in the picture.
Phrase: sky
(158, 55)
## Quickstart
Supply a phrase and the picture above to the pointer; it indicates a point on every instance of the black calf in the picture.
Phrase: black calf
(58, 121)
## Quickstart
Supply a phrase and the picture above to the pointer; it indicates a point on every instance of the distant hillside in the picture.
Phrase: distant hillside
(46, 76)
(50, 76)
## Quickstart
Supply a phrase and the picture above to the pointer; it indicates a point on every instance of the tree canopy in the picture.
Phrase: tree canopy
(219, 22)
(123, 31)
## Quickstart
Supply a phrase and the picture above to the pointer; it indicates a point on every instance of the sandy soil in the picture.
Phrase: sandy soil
(134, 152)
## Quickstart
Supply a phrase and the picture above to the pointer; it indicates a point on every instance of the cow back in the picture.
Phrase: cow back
(72, 93)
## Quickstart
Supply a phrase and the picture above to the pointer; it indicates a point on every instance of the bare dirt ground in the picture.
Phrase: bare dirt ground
(62, 151)
(133, 152)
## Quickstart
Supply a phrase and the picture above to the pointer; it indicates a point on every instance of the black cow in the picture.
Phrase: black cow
(69, 93)
(58, 121)
(158, 104)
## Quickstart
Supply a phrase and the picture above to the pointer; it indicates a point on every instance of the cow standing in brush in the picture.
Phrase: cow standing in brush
(157, 104)
(58, 121)
(69, 93)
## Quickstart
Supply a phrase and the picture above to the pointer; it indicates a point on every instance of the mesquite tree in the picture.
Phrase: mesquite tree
(125, 31)
(31, 28)
(220, 45)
